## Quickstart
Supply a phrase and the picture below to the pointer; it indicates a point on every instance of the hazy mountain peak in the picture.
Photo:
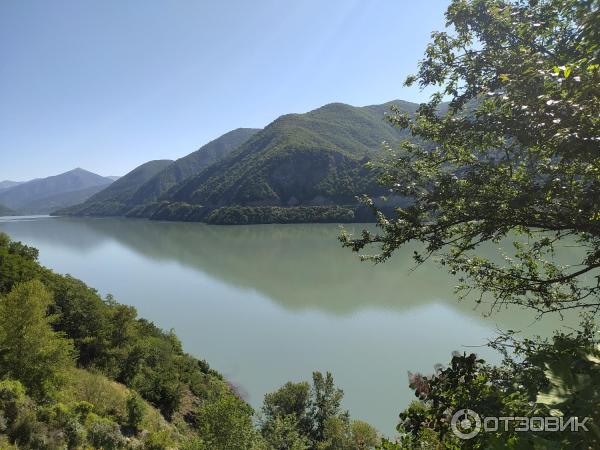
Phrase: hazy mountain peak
(43, 195)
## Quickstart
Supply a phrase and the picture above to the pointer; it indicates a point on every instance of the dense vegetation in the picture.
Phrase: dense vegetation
(517, 157)
(315, 158)
(238, 215)
(191, 164)
(44, 195)
(79, 371)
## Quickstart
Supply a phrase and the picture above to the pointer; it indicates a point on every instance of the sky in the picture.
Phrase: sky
(107, 85)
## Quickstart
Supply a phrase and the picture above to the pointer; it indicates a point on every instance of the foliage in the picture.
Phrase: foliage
(110, 344)
(299, 159)
(109, 337)
(539, 378)
(325, 405)
(104, 433)
(160, 440)
(342, 434)
(226, 424)
(292, 400)
(300, 416)
(240, 215)
(136, 411)
(30, 350)
(190, 165)
(283, 432)
(516, 153)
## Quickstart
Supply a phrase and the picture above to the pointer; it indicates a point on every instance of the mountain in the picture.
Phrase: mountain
(191, 164)
(114, 200)
(152, 180)
(6, 184)
(301, 167)
(309, 159)
(4, 211)
(43, 195)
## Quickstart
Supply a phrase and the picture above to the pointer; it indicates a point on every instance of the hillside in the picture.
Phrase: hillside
(43, 195)
(152, 180)
(191, 164)
(121, 382)
(46, 205)
(310, 159)
(114, 200)
(300, 168)
(7, 184)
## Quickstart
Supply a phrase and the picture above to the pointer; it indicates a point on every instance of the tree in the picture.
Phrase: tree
(558, 377)
(343, 434)
(298, 416)
(293, 400)
(30, 351)
(226, 423)
(282, 432)
(326, 400)
(364, 436)
(136, 411)
(516, 153)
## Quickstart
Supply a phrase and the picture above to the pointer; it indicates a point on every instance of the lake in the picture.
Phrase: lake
(266, 304)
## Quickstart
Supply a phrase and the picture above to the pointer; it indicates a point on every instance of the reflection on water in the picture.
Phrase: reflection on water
(270, 303)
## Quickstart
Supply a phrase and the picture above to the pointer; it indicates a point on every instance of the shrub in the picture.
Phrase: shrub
(104, 433)
(136, 411)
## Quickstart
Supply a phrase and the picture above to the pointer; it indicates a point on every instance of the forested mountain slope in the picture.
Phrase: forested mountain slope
(315, 158)
(300, 168)
(191, 164)
(115, 199)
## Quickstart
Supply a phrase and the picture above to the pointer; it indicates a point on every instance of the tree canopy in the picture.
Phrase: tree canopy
(30, 350)
(516, 153)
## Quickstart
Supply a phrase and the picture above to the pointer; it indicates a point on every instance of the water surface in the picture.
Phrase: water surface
(266, 304)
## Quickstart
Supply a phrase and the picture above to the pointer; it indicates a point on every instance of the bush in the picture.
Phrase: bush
(75, 434)
(104, 433)
(160, 440)
(226, 424)
(136, 411)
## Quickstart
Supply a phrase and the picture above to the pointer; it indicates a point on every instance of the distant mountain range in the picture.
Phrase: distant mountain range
(44, 195)
(152, 180)
(301, 167)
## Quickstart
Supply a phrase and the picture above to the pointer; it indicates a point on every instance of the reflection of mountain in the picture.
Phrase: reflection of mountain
(52, 231)
(297, 266)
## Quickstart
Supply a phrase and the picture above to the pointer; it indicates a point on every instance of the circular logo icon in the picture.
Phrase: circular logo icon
(465, 423)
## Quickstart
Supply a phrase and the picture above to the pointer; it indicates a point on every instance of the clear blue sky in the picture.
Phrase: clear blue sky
(109, 84)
